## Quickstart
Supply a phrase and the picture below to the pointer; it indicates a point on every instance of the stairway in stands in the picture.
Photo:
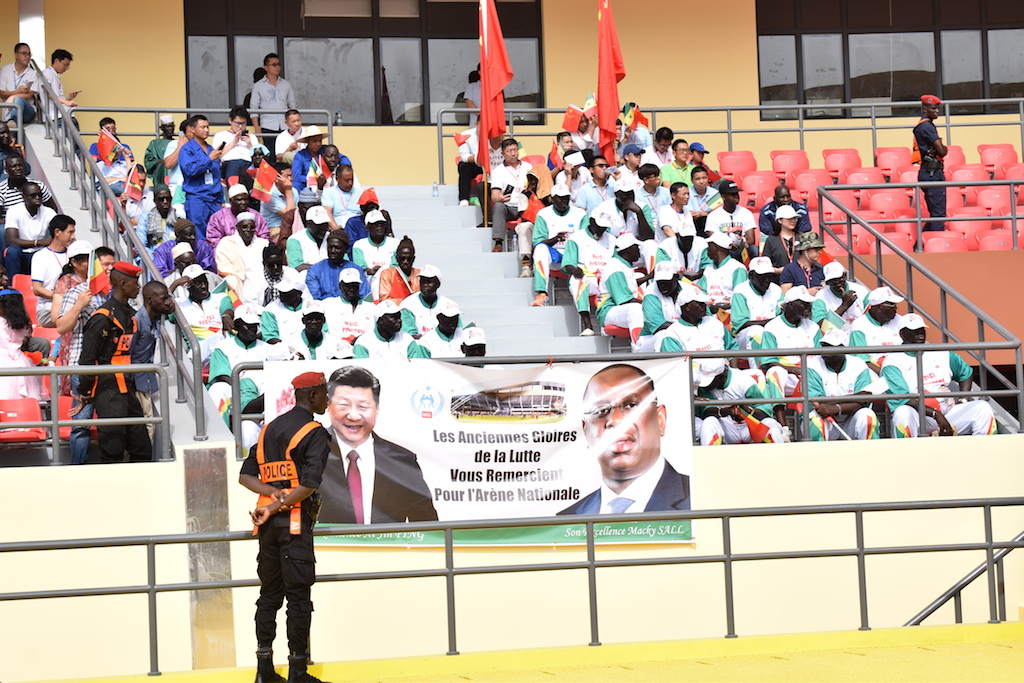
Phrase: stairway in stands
(486, 285)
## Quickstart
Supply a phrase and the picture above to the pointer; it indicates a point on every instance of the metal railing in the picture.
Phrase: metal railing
(727, 558)
(99, 200)
(868, 123)
(55, 423)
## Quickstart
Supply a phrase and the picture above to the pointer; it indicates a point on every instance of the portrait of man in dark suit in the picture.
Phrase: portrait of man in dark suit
(367, 479)
(623, 425)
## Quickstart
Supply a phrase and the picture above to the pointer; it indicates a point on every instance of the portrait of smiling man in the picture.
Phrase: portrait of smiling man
(367, 479)
(623, 424)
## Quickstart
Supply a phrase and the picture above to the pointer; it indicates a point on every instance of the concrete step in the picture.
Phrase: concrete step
(548, 347)
(563, 321)
(508, 292)
(517, 330)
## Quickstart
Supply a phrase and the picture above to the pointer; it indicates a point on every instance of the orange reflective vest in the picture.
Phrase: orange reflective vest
(916, 157)
(122, 352)
(283, 470)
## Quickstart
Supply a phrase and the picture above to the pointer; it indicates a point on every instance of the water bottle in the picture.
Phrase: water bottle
(337, 118)
(434, 192)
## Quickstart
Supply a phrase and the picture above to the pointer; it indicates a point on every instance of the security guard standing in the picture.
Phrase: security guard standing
(929, 151)
(107, 340)
(285, 468)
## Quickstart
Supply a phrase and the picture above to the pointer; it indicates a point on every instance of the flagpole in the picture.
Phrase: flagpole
(481, 143)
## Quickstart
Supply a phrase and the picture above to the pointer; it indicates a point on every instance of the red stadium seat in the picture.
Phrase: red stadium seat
(1015, 172)
(836, 162)
(786, 163)
(21, 410)
(23, 283)
(846, 197)
(996, 159)
(996, 200)
(862, 176)
(887, 202)
(839, 150)
(889, 159)
(734, 152)
(902, 241)
(776, 152)
(1003, 242)
(761, 184)
(970, 229)
(945, 241)
(732, 165)
(904, 227)
(968, 173)
(805, 184)
(954, 156)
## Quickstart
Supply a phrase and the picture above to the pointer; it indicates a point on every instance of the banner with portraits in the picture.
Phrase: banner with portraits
(424, 440)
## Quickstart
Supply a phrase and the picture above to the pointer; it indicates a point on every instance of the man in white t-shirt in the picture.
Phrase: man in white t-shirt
(27, 229)
(48, 264)
(60, 62)
(508, 181)
(732, 218)
(286, 144)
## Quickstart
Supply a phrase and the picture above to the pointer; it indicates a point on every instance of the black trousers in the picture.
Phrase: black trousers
(934, 198)
(286, 569)
(115, 440)
(466, 174)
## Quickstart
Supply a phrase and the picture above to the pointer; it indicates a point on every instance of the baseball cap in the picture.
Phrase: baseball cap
(762, 265)
(785, 211)
(707, 369)
(430, 271)
(722, 239)
(309, 379)
(834, 269)
(194, 271)
(624, 241)
(474, 336)
(728, 187)
(448, 309)
(289, 283)
(664, 271)
(314, 307)
(798, 293)
(375, 216)
(387, 308)
(883, 295)
(349, 275)
(317, 214)
(697, 147)
(930, 99)
(835, 337)
(369, 196)
(912, 321)
(247, 314)
(631, 149)
(628, 185)
(80, 248)
(693, 293)
(245, 216)
(181, 248)
(687, 230)
(236, 190)
(601, 218)
(560, 191)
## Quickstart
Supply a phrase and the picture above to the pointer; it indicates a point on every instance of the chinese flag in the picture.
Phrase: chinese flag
(572, 118)
(533, 160)
(554, 158)
(535, 205)
(610, 70)
(133, 187)
(107, 147)
(495, 72)
(264, 182)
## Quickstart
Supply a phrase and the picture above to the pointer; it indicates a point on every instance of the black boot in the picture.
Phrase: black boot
(297, 669)
(265, 667)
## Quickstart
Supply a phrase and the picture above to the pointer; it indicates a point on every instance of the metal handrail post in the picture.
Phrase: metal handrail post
(449, 580)
(595, 639)
(154, 665)
(990, 566)
(862, 582)
(730, 605)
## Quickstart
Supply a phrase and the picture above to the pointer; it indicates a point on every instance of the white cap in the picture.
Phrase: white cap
(317, 214)
(762, 265)
(884, 295)
(785, 211)
(706, 370)
(448, 309)
(576, 159)
(692, 293)
(912, 321)
(165, 119)
(245, 216)
(601, 218)
(375, 216)
(722, 239)
(430, 271)
(625, 241)
(687, 230)
(312, 307)
(247, 314)
(628, 185)
(79, 248)
(560, 190)
(181, 248)
(833, 270)
(798, 293)
(387, 308)
(194, 271)
(664, 271)
(835, 337)
(236, 190)
(289, 283)
(350, 275)
(474, 336)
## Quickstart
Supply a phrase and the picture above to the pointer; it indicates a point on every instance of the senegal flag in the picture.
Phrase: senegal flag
(99, 281)
(133, 186)
(315, 171)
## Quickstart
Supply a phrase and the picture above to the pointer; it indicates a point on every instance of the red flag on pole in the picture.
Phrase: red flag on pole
(107, 147)
(495, 73)
(266, 175)
(610, 70)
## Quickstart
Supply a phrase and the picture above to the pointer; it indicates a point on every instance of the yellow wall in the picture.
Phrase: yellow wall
(8, 29)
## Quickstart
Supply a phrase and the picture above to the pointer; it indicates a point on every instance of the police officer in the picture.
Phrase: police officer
(285, 468)
(929, 151)
(107, 340)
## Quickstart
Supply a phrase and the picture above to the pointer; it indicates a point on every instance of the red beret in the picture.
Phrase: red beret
(309, 379)
(127, 269)
(368, 196)
(930, 99)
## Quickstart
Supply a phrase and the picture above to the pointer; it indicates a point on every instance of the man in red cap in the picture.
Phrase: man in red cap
(358, 227)
(929, 151)
(285, 468)
(107, 340)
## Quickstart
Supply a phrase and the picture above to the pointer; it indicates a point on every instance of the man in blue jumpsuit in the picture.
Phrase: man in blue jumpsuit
(929, 151)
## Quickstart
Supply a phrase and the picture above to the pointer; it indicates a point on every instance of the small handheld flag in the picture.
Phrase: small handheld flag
(266, 176)
(133, 186)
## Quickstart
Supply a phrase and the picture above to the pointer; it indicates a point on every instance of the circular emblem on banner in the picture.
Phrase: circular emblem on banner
(427, 402)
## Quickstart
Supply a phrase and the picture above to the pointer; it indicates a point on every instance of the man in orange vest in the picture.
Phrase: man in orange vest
(285, 468)
(929, 151)
(107, 340)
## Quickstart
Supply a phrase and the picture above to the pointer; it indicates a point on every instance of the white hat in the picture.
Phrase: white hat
(833, 270)
(312, 307)
(883, 295)
(762, 265)
(181, 248)
(309, 132)
(602, 218)
(625, 241)
(560, 190)
(722, 239)
(430, 271)
(628, 184)
(912, 321)
(289, 283)
(387, 308)
(245, 216)
(474, 336)
(835, 337)
(375, 216)
(79, 248)
(706, 370)
(666, 270)
(448, 309)
(687, 230)
(785, 211)
(165, 119)
(236, 190)
(317, 214)
(247, 314)
(194, 271)
(350, 275)
(692, 293)
(798, 293)
(576, 159)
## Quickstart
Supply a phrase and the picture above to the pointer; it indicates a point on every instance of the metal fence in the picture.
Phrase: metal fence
(727, 558)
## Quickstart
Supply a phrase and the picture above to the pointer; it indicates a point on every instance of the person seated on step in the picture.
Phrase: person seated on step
(386, 339)
(313, 342)
(350, 314)
(241, 346)
(791, 329)
(358, 227)
(309, 245)
(342, 200)
(208, 313)
(718, 425)
(509, 182)
(448, 338)
(222, 223)
(840, 296)
(551, 231)
(840, 377)
(724, 273)
(240, 258)
(754, 302)
(419, 310)
(282, 317)
(184, 233)
(587, 253)
(695, 330)
(619, 299)
(474, 343)
(400, 280)
(376, 251)
(322, 277)
(574, 173)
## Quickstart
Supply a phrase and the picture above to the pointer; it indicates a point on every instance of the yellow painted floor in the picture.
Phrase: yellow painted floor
(977, 653)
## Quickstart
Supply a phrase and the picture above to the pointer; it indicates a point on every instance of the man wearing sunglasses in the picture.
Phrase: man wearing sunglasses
(27, 229)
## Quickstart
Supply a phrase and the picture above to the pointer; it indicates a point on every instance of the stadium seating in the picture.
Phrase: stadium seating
(903, 241)
(734, 165)
(954, 157)
(887, 202)
(760, 186)
(21, 410)
(805, 184)
(23, 283)
(837, 161)
(890, 159)
(847, 197)
(861, 176)
(968, 173)
(943, 241)
(996, 242)
(786, 163)
(996, 200)
(996, 158)
(63, 410)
